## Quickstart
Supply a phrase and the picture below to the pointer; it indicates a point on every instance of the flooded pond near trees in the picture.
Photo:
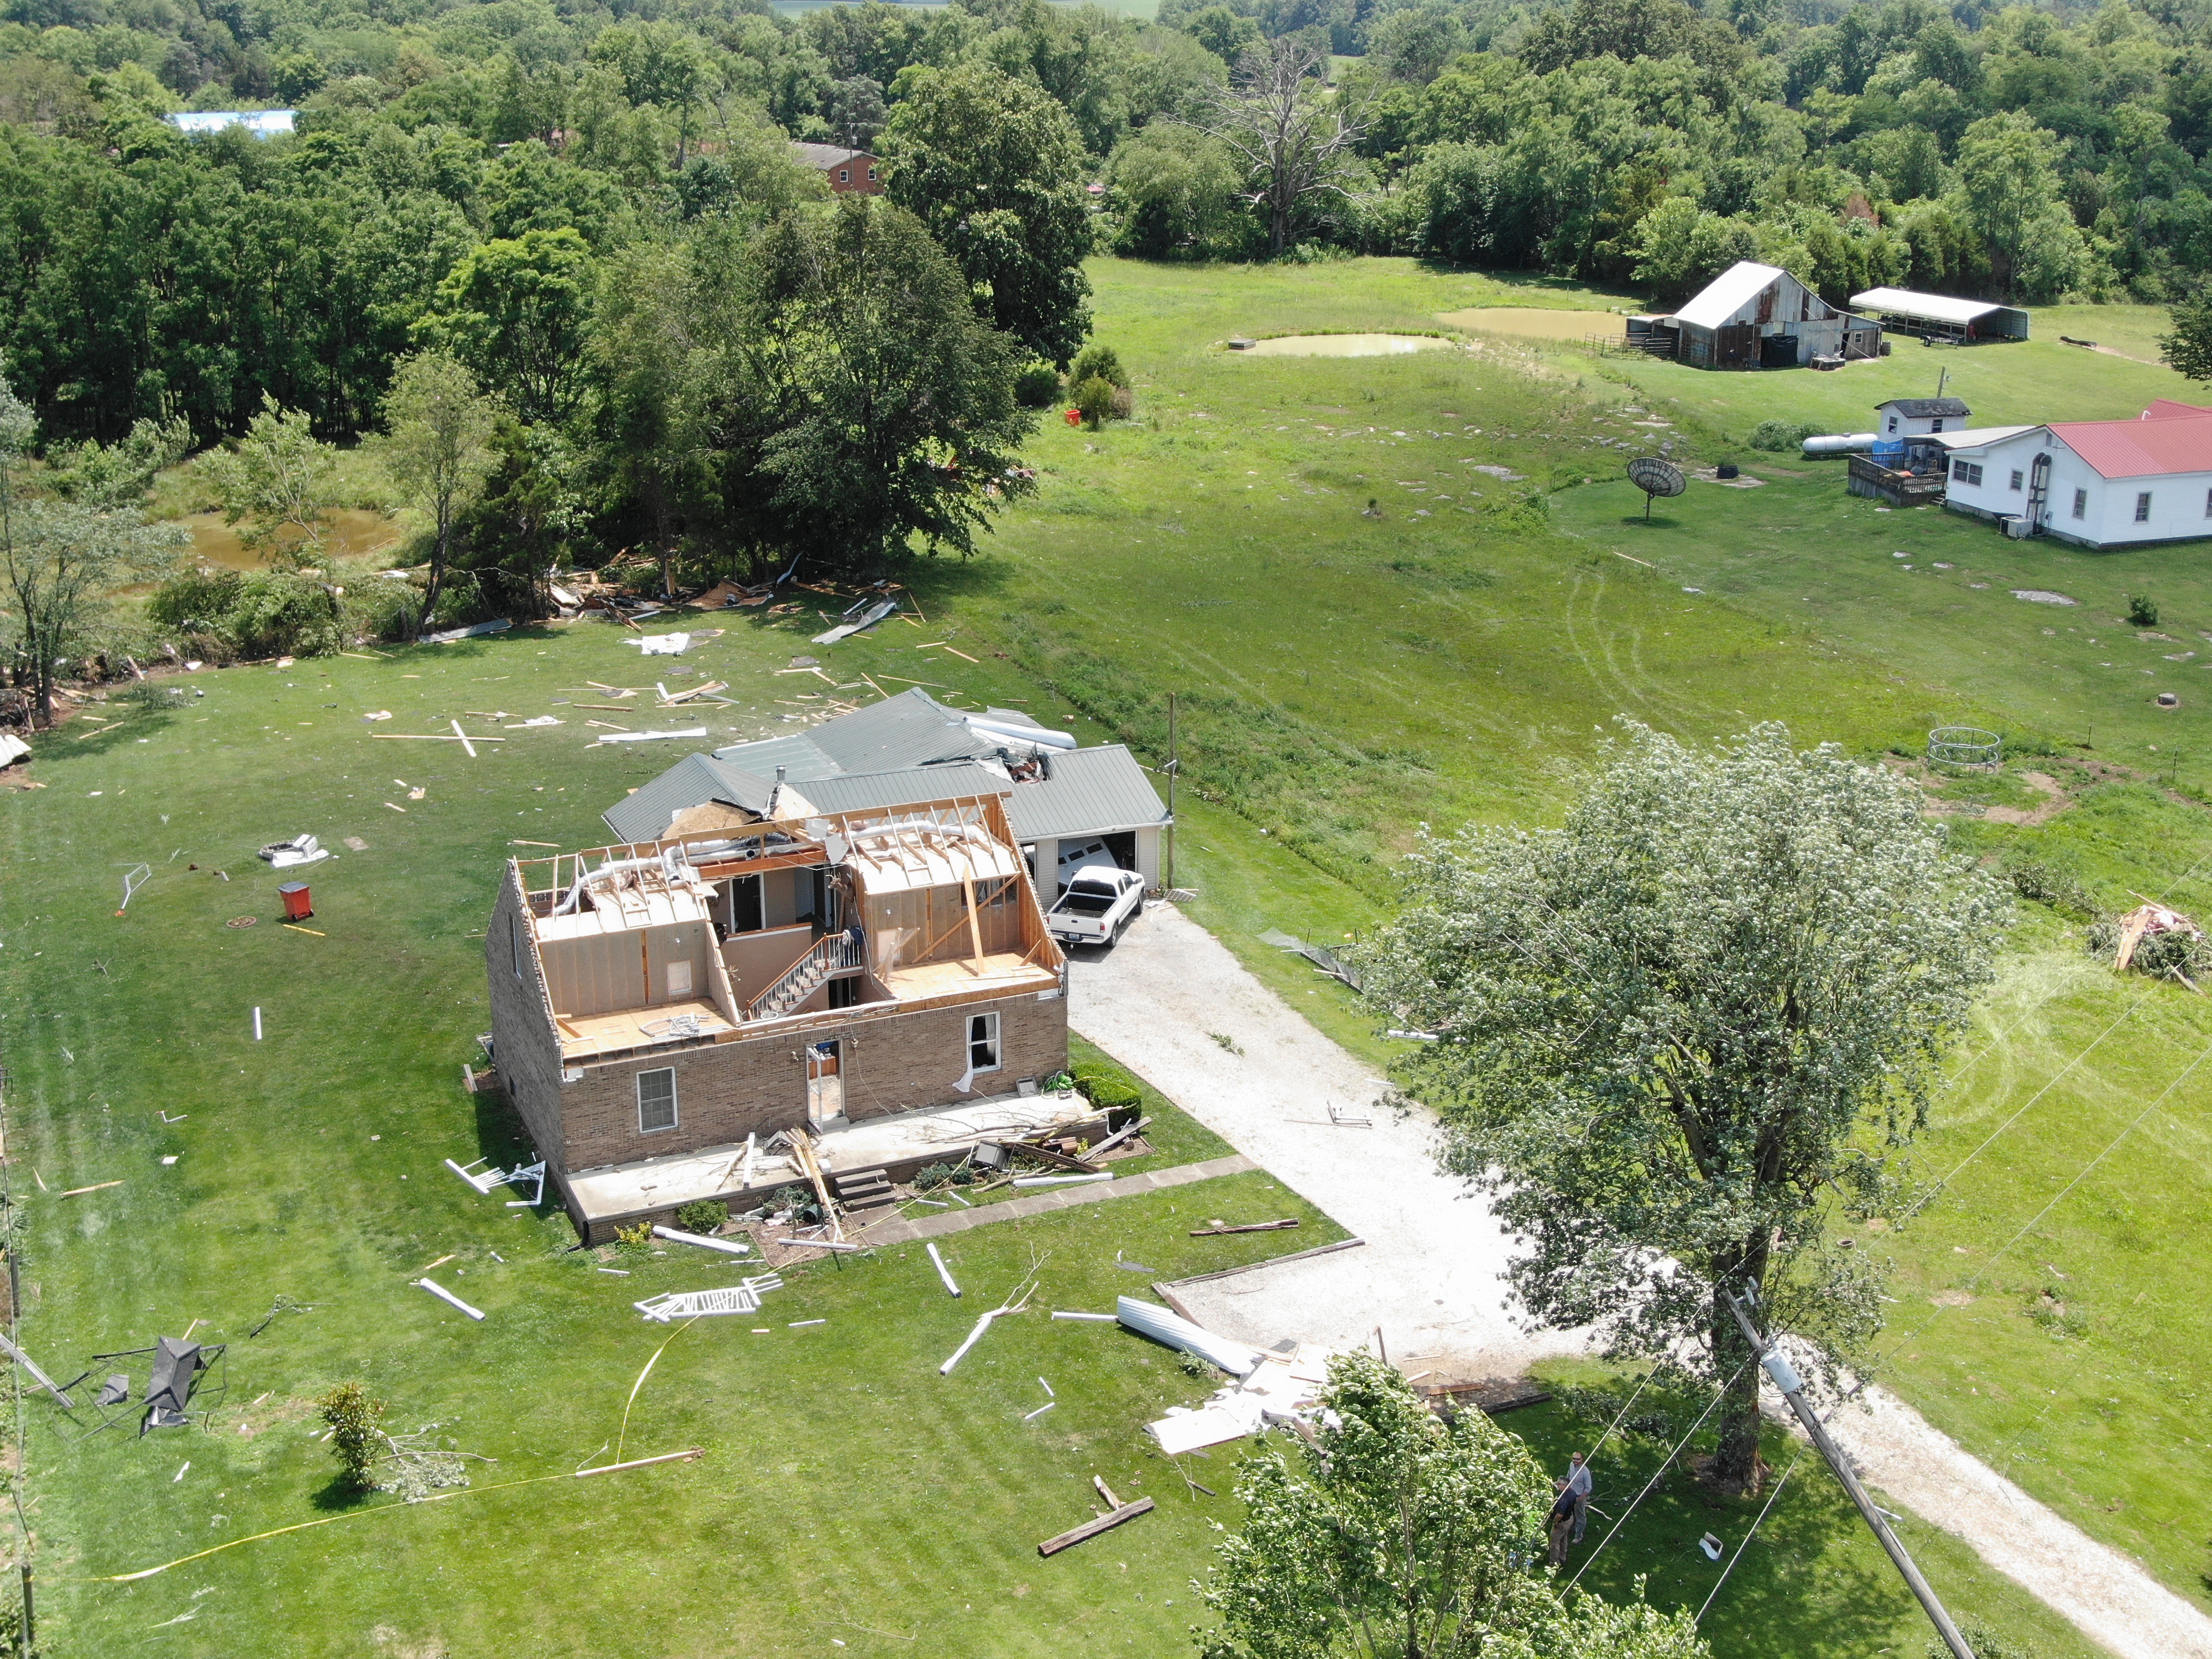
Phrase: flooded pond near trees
(353, 532)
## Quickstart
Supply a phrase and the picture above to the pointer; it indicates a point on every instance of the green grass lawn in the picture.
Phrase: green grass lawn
(1344, 678)
(1811, 1575)
(1345, 674)
(848, 1483)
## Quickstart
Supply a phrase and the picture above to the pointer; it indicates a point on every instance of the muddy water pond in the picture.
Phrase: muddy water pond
(1343, 345)
(354, 532)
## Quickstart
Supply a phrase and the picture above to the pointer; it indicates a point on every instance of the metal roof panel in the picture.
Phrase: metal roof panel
(1088, 792)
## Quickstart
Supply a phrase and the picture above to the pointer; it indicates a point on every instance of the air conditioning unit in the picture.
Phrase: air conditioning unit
(2019, 529)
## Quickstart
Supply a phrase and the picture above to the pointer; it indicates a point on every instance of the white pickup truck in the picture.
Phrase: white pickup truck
(1098, 906)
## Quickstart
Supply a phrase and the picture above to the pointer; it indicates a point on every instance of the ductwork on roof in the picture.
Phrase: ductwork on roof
(1007, 732)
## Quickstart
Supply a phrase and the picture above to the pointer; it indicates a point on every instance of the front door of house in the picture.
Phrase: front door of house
(825, 1082)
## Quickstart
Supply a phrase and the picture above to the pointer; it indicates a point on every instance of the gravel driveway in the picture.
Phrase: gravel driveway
(1430, 1273)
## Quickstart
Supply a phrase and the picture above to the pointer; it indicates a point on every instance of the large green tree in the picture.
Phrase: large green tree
(857, 389)
(1681, 1031)
(440, 449)
(60, 562)
(1393, 1535)
(2188, 347)
(517, 311)
(996, 170)
(2008, 186)
(276, 487)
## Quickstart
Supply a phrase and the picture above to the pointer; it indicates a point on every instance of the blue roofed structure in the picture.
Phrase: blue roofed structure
(261, 123)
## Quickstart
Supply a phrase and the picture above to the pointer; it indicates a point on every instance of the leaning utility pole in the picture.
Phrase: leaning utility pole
(1172, 769)
(1778, 1367)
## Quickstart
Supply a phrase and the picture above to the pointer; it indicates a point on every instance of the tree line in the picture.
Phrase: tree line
(570, 204)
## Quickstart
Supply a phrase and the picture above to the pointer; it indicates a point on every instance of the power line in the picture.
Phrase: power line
(1956, 1076)
(2126, 1014)
(1785, 1377)
(1748, 1537)
(2082, 1174)
(1719, 1394)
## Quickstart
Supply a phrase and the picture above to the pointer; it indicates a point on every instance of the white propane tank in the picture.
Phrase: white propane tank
(1842, 443)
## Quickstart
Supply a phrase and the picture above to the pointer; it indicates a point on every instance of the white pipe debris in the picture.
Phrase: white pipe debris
(943, 1271)
(728, 1246)
(445, 1294)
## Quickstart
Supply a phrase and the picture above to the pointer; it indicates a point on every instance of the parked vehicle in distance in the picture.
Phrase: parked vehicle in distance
(1098, 906)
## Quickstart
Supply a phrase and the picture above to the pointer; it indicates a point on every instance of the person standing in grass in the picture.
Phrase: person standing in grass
(1561, 1523)
(1578, 1483)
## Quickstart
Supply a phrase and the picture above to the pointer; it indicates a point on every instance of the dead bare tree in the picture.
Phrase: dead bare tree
(1295, 137)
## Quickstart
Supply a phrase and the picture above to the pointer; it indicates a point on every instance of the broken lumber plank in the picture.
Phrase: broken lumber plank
(1091, 1529)
(96, 1186)
(943, 1271)
(641, 1462)
(1248, 1227)
(1128, 1131)
(1060, 1159)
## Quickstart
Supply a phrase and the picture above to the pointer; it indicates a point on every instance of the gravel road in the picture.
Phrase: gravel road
(1430, 1275)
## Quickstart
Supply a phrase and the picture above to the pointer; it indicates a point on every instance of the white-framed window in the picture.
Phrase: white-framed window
(2142, 507)
(871, 175)
(1965, 472)
(2081, 503)
(1936, 425)
(1893, 423)
(2208, 503)
(983, 1042)
(844, 175)
(656, 1100)
(2016, 477)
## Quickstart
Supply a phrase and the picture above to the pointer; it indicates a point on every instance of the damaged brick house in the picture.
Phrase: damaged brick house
(654, 1004)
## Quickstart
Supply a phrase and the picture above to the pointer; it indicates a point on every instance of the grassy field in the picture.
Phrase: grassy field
(1367, 674)
(1366, 631)
(855, 1485)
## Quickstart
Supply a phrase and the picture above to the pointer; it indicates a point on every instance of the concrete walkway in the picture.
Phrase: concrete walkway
(1431, 1274)
(1058, 1198)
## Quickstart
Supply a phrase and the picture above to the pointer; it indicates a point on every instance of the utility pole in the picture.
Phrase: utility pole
(1171, 787)
(1778, 1367)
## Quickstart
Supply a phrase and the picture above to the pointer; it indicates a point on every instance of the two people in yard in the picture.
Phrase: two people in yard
(1570, 1515)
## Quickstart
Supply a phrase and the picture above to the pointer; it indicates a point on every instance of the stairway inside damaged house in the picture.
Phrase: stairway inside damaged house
(805, 976)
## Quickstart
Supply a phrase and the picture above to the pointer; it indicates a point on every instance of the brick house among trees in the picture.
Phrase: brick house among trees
(652, 1003)
(850, 172)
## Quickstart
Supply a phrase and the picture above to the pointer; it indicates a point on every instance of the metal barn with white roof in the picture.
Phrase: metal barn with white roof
(1941, 316)
(1755, 316)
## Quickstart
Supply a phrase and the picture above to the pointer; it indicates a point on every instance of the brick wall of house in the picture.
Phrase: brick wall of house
(727, 1090)
(524, 1049)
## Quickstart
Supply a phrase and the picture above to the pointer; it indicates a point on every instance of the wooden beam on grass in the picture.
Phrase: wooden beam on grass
(1091, 1529)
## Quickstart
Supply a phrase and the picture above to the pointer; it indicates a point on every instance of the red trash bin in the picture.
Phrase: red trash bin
(294, 895)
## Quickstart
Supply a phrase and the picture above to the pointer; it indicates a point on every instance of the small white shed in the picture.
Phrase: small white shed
(2096, 483)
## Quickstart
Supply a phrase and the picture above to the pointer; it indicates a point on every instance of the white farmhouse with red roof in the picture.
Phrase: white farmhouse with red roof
(2098, 483)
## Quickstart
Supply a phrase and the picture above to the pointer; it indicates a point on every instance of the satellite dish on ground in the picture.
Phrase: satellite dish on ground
(1654, 477)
